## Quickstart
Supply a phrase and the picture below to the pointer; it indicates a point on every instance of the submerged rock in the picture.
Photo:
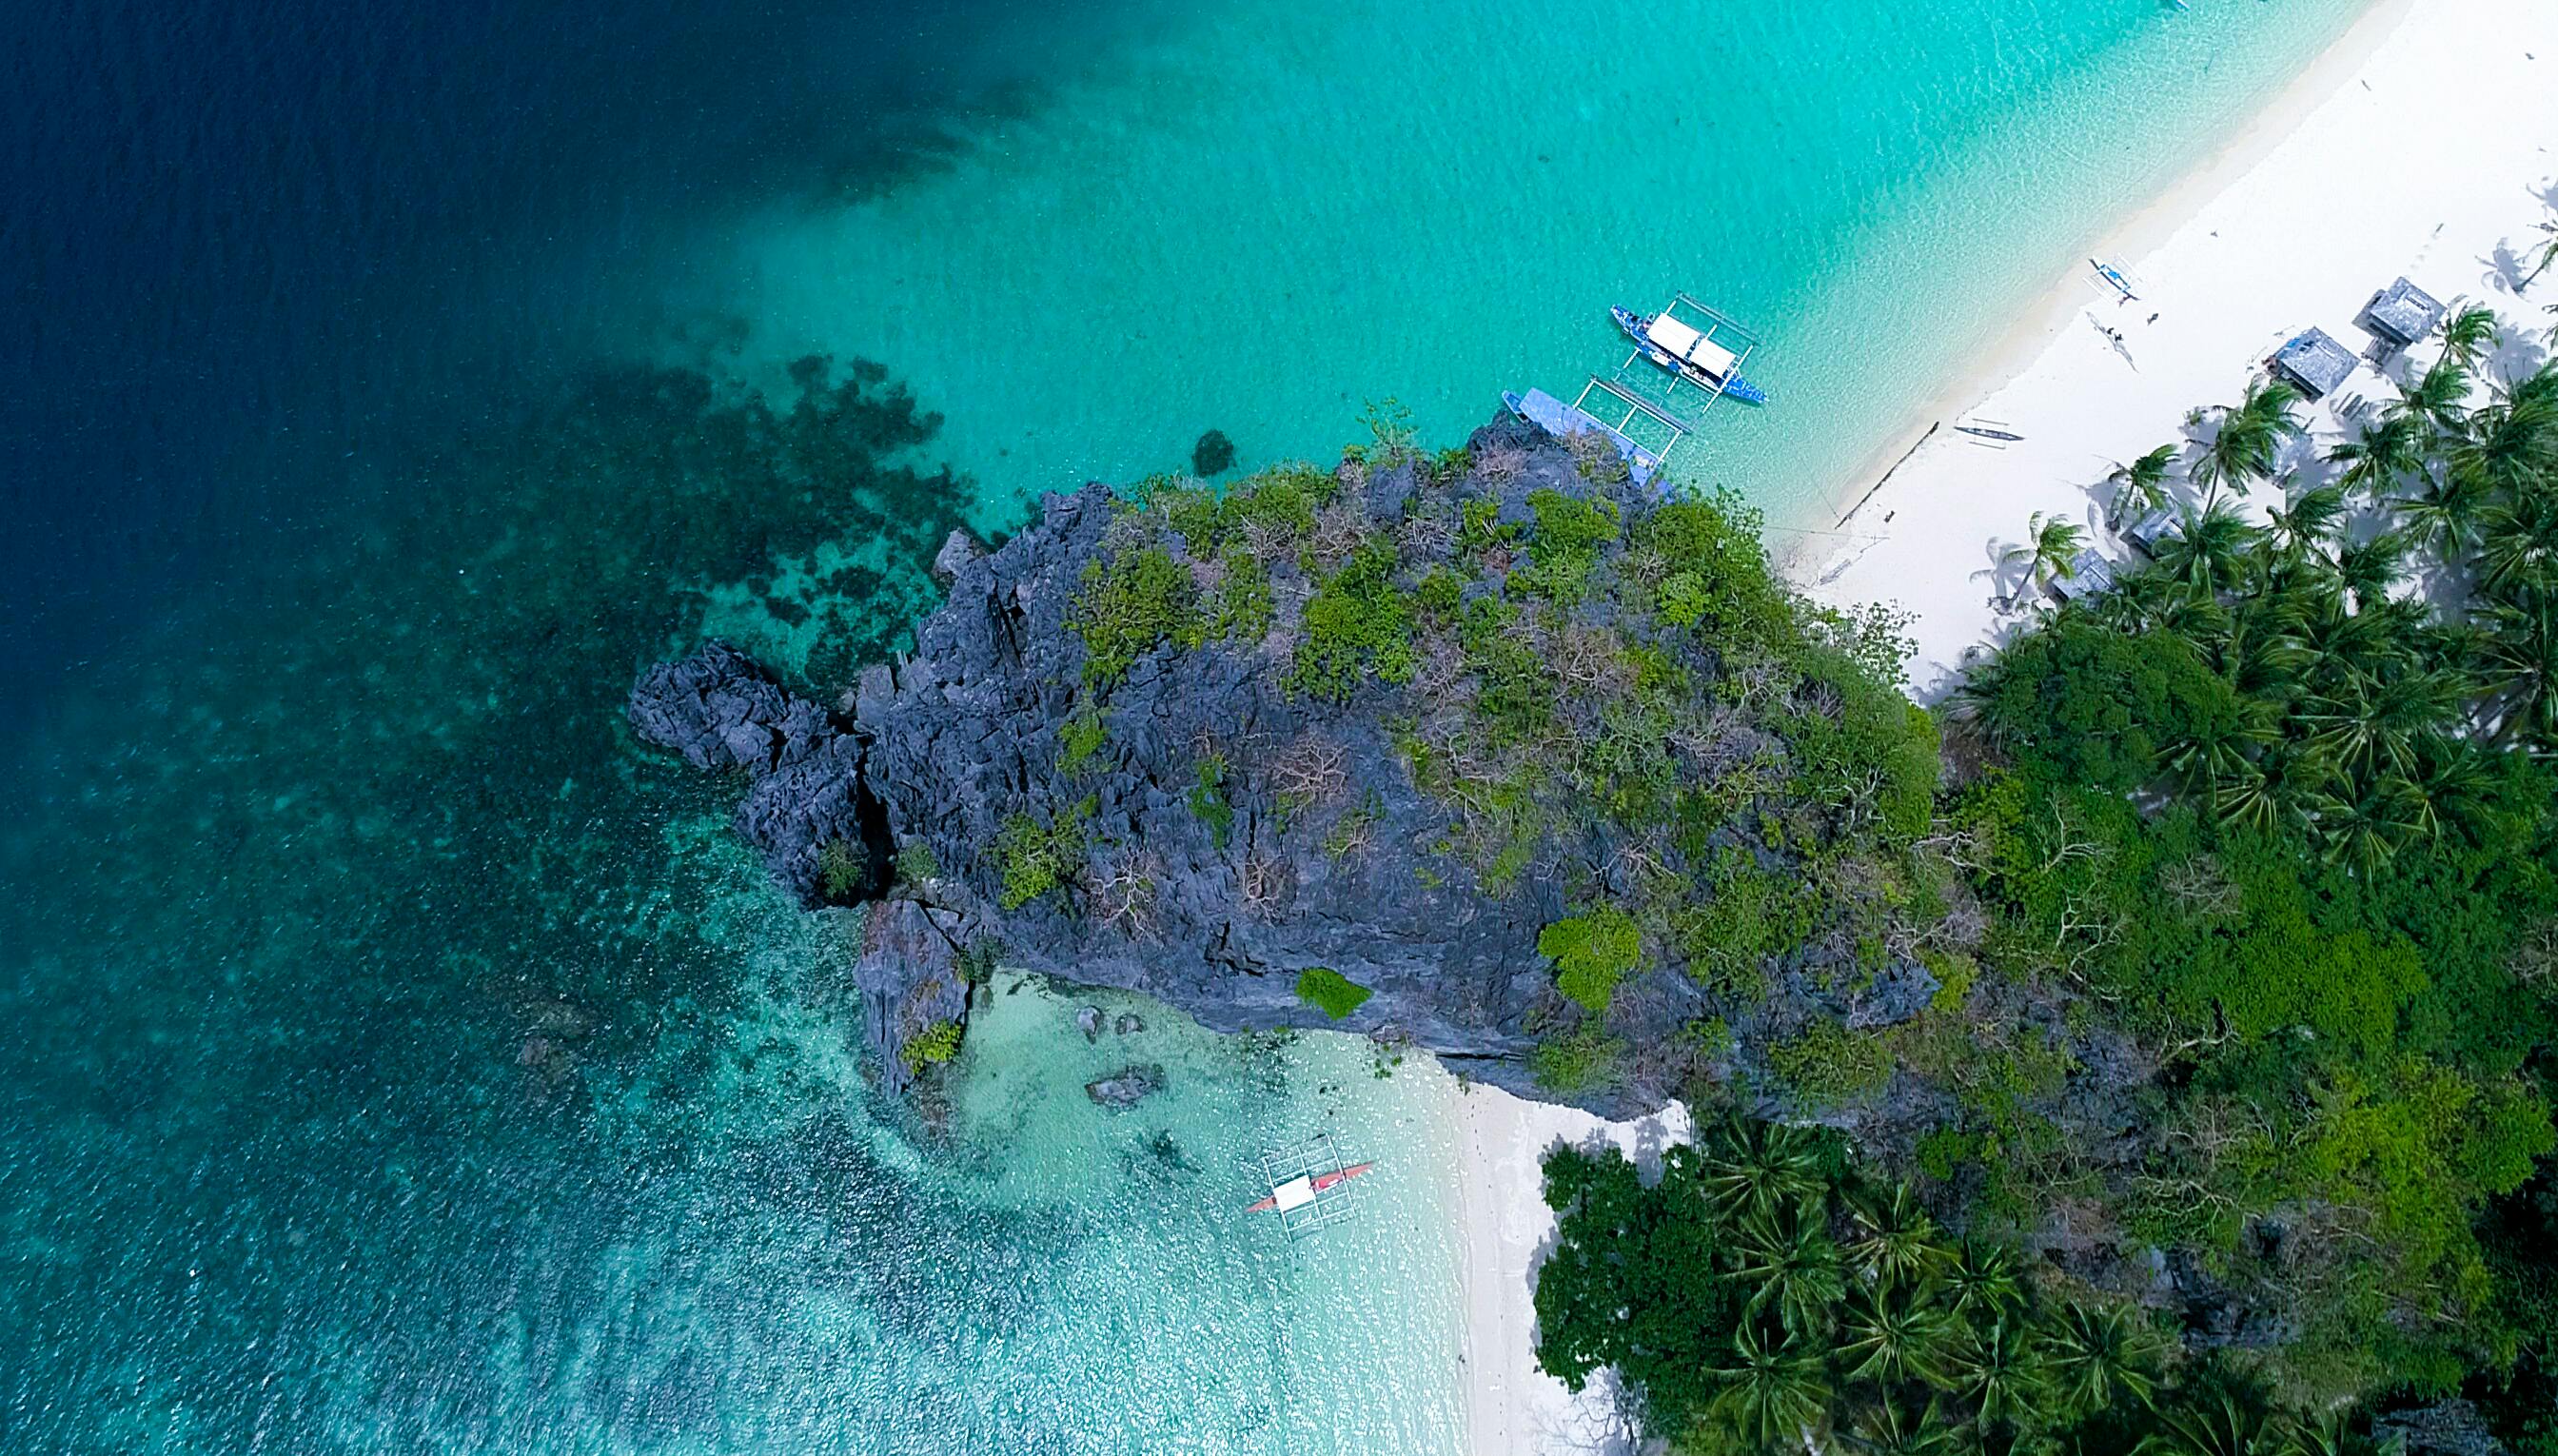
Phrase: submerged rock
(1213, 455)
(1128, 1024)
(1127, 1087)
(1089, 1021)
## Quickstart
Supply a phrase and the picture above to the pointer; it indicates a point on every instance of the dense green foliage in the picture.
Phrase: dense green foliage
(1207, 798)
(839, 870)
(1356, 624)
(1762, 1295)
(1330, 991)
(2242, 902)
(1828, 1066)
(1078, 738)
(2331, 929)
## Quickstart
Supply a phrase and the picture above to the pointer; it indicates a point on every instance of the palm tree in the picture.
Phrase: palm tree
(2001, 1371)
(1889, 1430)
(2370, 568)
(1982, 1282)
(1897, 1334)
(2518, 545)
(2216, 1423)
(2275, 791)
(2449, 782)
(2548, 255)
(2376, 724)
(2518, 662)
(2382, 452)
(2308, 519)
(2252, 431)
(1897, 1243)
(2368, 824)
(2437, 396)
(1775, 1392)
(1790, 1265)
(2469, 335)
(2140, 485)
(2210, 549)
(2513, 443)
(2051, 545)
(2446, 516)
(2209, 754)
(2100, 1356)
(1761, 1168)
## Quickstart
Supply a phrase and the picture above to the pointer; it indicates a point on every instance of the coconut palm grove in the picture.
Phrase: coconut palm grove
(2230, 1119)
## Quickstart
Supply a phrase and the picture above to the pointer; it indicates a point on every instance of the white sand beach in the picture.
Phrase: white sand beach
(1511, 1406)
(2423, 144)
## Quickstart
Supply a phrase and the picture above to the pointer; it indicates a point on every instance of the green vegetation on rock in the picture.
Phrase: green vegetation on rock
(933, 1046)
(1357, 624)
(1330, 991)
(1828, 1066)
(1032, 858)
(839, 870)
(1140, 600)
(1591, 952)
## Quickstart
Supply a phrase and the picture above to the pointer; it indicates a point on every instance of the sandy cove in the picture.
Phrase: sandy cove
(2424, 143)
(1511, 1404)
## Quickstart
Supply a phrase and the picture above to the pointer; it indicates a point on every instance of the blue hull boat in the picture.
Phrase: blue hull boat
(1684, 352)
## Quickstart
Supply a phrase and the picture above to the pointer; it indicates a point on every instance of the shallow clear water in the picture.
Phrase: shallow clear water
(1259, 223)
(396, 1057)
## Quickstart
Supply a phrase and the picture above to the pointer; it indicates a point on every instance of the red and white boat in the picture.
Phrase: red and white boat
(1303, 1189)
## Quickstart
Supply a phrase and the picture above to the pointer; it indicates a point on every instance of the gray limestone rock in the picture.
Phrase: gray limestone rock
(1126, 1087)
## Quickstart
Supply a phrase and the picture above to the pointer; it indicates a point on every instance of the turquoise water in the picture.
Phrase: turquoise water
(396, 1057)
(1452, 195)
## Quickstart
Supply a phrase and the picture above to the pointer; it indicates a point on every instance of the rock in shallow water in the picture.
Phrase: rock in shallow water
(1127, 1087)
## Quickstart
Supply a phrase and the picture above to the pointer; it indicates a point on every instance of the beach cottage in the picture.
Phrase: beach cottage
(2314, 361)
(2401, 314)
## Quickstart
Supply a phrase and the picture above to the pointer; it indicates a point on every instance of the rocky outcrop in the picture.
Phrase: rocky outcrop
(721, 710)
(910, 977)
(1317, 849)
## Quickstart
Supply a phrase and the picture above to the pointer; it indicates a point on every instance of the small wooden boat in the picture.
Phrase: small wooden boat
(1302, 1190)
(1988, 434)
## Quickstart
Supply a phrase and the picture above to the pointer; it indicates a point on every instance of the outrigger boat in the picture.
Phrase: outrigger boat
(1310, 1185)
(1693, 353)
(1303, 1189)
(1643, 433)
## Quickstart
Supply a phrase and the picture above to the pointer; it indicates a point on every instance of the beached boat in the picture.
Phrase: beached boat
(1693, 354)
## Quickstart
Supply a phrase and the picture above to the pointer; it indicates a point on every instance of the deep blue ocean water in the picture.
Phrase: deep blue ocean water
(395, 1057)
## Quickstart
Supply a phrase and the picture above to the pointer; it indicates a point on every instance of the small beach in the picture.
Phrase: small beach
(1511, 1404)
(2421, 145)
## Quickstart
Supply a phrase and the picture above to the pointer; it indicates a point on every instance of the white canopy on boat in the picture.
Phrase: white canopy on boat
(1296, 1193)
(1689, 345)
